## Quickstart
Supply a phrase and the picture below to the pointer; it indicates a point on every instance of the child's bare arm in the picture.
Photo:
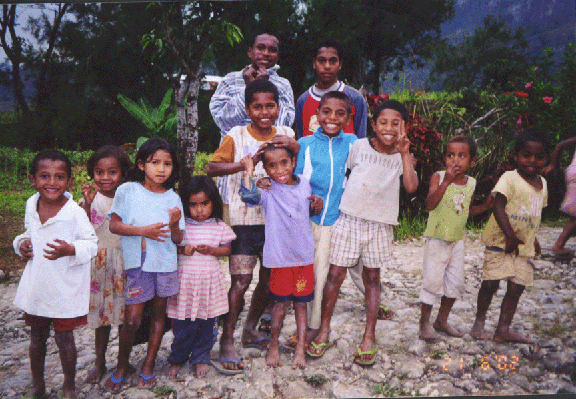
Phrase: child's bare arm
(501, 217)
(478, 209)
(436, 191)
(556, 154)
(89, 191)
(409, 178)
(224, 250)
(176, 234)
(223, 168)
(248, 164)
(156, 231)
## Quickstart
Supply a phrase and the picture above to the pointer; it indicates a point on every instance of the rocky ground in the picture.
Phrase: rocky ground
(405, 365)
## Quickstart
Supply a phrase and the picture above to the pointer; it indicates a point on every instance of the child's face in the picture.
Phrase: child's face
(200, 206)
(327, 64)
(458, 155)
(264, 51)
(332, 116)
(158, 168)
(280, 166)
(530, 159)
(51, 180)
(108, 175)
(387, 126)
(263, 110)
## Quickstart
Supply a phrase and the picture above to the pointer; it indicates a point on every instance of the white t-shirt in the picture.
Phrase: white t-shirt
(372, 191)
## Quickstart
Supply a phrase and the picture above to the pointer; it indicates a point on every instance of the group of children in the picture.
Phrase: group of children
(310, 210)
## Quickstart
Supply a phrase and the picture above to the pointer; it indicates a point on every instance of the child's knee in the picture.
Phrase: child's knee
(241, 282)
(371, 277)
(64, 339)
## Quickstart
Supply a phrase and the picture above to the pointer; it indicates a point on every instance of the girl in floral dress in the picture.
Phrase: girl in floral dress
(108, 167)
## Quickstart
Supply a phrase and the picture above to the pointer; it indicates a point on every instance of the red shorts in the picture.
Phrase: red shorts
(60, 325)
(292, 284)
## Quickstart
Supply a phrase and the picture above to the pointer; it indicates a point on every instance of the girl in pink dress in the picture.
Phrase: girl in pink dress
(203, 288)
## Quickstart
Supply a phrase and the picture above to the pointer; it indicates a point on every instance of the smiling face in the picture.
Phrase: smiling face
(108, 176)
(530, 159)
(458, 155)
(279, 165)
(51, 180)
(264, 51)
(332, 116)
(157, 169)
(387, 127)
(263, 111)
(327, 63)
(200, 206)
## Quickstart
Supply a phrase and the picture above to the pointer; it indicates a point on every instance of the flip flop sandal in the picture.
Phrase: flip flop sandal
(323, 346)
(265, 324)
(365, 363)
(218, 365)
(388, 314)
(147, 378)
(257, 344)
(115, 381)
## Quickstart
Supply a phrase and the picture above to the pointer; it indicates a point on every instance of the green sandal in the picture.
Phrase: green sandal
(323, 346)
(387, 313)
(359, 354)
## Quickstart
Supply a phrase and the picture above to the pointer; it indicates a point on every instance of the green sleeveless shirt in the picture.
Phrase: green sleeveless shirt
(448, 220)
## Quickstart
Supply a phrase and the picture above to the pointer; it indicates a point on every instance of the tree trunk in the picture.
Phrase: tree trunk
(187, 123)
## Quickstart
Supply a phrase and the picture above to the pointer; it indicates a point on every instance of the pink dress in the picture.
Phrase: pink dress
(203, 287)
(568, 206)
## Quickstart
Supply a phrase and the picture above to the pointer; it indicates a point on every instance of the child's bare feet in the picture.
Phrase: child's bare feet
(37, 392)
(508, 336)
(273, 355)
(95, 375)
(561, 251)
(427, 332)
(201, 370)
(299, 360)
(173, 370)
(227, 351)
(66, 394)
(477, 331)
(448, 329)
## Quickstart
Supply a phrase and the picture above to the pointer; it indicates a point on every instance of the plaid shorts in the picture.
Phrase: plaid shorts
(355, 239)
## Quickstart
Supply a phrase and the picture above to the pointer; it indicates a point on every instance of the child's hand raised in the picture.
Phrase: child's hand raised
(26, 250)
(89, 191)
(403, 143)
(512, 245)
(60, 249)
(248, 164)
(316, 203)
(204, 249)
(450, 174)
(156, 231)
(264, 183)
(175, 215)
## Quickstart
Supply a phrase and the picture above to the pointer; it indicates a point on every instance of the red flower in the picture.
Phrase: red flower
(506, 93)
(521, 94)
(547, 99)
(536, 69)
(528, 85)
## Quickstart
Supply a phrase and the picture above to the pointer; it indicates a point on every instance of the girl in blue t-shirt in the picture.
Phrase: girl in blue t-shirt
(146, 213)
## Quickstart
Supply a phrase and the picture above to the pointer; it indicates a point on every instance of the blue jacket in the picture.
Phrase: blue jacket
(323, 162)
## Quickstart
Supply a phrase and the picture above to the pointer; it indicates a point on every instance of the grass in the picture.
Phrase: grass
(436, 354)
(164, 391)
(554, 331)
(409, 228)
(388, 392)
(316, 380)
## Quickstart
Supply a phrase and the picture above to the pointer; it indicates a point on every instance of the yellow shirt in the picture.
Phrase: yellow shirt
(524, 209)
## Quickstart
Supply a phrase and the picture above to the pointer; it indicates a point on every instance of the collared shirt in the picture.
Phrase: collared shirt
(228, 107)
(56, 288)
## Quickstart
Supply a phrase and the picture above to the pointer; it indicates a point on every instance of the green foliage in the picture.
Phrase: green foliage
(157, 122)
(165, 391)
(490, 57)
(387, 391)
(409, 227)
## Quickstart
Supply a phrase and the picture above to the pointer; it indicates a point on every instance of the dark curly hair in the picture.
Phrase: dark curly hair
(198, 184)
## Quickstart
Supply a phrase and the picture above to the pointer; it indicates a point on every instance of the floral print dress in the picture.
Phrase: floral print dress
(107, 277)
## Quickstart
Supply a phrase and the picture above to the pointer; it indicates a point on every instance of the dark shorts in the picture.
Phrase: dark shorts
(292, 284)
(249, 240)
(246, 248)
(142, 286)
(60, 325)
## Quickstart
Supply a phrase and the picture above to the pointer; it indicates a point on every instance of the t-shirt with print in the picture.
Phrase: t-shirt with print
(239, 142)
(372, 191)
(524, 209)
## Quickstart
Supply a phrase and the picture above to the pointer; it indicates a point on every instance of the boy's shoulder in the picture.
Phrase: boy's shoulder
(352, 92)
